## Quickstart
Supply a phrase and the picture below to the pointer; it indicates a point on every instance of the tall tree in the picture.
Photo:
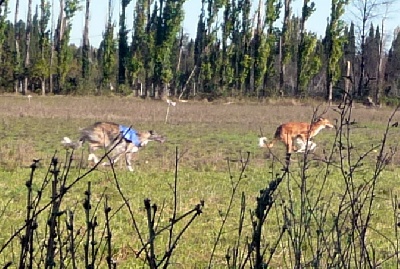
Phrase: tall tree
(140, 43)
(272, 13)
(392, 70)
(168, 26)
(27, 45)
(382, 44)
(108, 49)
(259, 51)
(17, 53)
(307, 65)
(123, 48)
(41, 68)
(242, 58)
(284, 51)
(334, 41)
(3, 23)
(365, 12)
(229, 19)
(86, 44)
(371, 59)
(68, 9)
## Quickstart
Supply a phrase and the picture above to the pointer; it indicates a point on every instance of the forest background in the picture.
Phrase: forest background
(239, 48)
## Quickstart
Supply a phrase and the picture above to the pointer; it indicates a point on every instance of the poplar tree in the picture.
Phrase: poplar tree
(27, 46)
(229, 19)
(168, 27)
(17, 52)
(3, 24)
(139, 45)
(108, 49)
(392, 70)
(259, 51)
(123, 48)
(272, 13)
(243, 49)
(86, 44)
(41, 68)
(4, 47)
(207, 46)
(334, 42)
(371, 59)
(68, 9)
(307, 63)
(365, 11)
(284, 51)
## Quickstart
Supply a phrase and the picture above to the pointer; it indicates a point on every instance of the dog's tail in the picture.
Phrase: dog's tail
(262, 142)
(69, 144)
(276, 137)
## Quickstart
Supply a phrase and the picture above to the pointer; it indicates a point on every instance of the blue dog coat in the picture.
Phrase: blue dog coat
(130, 135)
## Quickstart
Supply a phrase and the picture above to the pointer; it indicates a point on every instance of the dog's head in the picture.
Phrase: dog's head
(147, 136)
(324, 122)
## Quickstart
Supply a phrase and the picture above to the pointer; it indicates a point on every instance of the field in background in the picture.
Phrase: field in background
(206, 135)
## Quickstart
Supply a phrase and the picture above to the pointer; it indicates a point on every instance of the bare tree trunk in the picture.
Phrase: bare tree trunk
(178, 65)
(17, 52)
(347, 82)
(43, 84)
(28, 44)
(187, 81)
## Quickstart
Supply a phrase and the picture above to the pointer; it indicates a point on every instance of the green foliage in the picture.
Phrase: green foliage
(123, 48)
(334, 43)
(261, 55)
(311, 63)
(166, 33)
(108, 54)
(65, 55)
(3, 23)
(140, 42)
(71, 8)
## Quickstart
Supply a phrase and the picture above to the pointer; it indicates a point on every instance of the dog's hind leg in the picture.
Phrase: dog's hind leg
(92, 157)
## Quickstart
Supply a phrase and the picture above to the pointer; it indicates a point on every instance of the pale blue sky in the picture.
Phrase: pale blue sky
(316, 23)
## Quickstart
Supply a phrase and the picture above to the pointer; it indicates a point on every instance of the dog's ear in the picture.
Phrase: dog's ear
(151, 132)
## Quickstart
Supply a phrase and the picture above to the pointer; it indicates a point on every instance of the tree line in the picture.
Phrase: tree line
(266, 53)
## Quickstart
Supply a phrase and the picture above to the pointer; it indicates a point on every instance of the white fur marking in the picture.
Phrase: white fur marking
(302, 146)
(144, 143)
(261, 141)
(66, 140)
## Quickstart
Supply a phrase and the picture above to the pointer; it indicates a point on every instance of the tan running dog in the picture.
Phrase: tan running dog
(120, 139)
(297, 135)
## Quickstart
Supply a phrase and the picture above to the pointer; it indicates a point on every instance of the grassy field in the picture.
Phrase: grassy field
(325, 198)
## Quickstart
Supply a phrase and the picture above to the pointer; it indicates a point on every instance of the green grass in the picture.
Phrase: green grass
(206, 135)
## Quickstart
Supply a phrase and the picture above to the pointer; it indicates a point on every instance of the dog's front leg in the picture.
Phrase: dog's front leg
(93, 158)
(128, 157)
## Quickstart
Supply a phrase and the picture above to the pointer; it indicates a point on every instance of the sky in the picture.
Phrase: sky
(98, 15)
